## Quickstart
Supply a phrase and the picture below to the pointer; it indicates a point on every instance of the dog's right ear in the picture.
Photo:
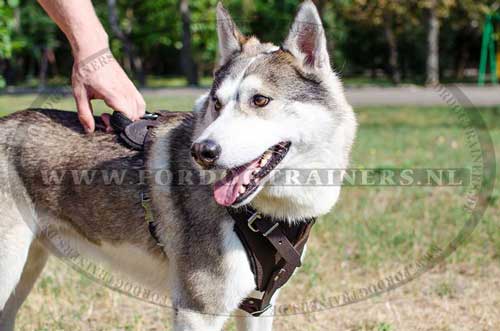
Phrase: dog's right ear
(230, 38)
(306, 39)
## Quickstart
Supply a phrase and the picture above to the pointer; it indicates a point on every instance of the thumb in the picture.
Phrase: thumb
(85, 112)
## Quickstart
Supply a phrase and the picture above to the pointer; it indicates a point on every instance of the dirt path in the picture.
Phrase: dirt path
(383, 96)
(358, 96)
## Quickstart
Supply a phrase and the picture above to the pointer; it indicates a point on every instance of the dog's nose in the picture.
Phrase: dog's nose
(206, 152)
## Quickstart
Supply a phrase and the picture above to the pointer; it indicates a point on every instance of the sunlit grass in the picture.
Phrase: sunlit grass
(372, 231)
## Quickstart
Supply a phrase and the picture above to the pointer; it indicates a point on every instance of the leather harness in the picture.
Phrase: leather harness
(274, 248)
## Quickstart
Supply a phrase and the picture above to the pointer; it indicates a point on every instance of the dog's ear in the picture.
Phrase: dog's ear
(306, 39)
(230, 38)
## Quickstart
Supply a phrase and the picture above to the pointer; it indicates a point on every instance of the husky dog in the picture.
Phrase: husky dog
(269, 108)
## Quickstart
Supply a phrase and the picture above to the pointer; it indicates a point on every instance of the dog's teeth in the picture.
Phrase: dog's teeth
(246, 180)
(242, 189)
(263, 162)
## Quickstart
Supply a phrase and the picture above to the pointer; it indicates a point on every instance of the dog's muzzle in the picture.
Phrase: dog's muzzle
(206, 152)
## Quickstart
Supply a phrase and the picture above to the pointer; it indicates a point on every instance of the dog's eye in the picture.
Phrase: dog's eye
(260, 100)
(217, 104)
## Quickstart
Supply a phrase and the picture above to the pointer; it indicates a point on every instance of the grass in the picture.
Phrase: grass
(372, 233)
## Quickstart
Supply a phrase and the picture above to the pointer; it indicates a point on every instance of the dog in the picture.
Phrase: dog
(269, 108)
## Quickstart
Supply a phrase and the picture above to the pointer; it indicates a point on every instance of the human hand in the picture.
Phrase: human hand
(101, 77)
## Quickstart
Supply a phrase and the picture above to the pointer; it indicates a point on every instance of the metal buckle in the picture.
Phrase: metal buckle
(148, 212)
(150, 116)
(271, 229)
(252, 220)
(262, 311)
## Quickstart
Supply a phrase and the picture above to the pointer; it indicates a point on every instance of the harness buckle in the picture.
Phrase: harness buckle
(150, 116)
(262, 311)
(252, 220)
(146, 205)
(270, 230)
(148, 216)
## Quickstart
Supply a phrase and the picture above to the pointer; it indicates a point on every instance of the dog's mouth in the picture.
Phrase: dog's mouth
(241, 182)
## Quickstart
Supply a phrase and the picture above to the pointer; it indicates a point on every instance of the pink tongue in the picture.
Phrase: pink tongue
(226, 191)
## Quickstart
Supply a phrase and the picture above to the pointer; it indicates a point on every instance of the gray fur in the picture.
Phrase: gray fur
(203, 264)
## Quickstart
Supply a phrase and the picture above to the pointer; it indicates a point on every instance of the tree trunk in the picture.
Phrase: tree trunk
(432, 44)
(135, 61)
(187, 61)
(461, 59)
(44, 67)
(48, 58)
(463, 54)
(394, 70)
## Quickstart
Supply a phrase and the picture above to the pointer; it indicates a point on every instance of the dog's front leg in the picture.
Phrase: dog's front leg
(196, 309)
(187, 320)
(202, 301)
(245, 322)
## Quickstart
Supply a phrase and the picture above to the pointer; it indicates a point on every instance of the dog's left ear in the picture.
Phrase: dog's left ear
(306, 39)
(230, 37)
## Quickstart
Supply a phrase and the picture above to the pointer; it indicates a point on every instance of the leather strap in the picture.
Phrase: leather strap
(274, 249)
(134, 134)
(148, 216)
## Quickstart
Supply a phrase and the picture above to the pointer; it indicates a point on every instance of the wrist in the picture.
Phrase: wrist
(86, 45)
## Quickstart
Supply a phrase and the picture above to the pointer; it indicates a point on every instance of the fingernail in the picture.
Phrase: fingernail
(87, 129)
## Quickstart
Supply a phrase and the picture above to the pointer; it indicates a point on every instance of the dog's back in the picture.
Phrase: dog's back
(65, 172)
(53, 177)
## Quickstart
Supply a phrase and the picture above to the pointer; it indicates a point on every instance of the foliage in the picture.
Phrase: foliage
(355, 30)
(7, 27)
(38, 32)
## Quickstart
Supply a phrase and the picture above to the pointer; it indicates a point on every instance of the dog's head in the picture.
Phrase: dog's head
(270, 109)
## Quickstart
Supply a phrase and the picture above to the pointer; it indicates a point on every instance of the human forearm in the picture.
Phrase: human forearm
(78, 21)
(101, 78)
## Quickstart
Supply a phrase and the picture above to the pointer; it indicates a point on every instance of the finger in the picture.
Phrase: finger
(141, 106)
(85, 111)
(125, 107)
(106, 118)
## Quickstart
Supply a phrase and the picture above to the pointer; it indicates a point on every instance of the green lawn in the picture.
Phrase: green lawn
(372, 232)
(206, 81)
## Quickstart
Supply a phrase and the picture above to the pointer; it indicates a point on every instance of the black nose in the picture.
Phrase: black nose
(206, 152)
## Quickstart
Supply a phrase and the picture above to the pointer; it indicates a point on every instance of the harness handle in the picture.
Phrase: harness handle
(133, 134)
(119, 121)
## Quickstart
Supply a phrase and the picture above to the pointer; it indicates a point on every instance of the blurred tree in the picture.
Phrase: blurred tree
(387, 15)
(433, 24)
(462, 33)
(187, 61)
(156, 31)
(433, 12)
(8, 26)
(204, 35)
(134, 62)
(36, 39)
(403, 40)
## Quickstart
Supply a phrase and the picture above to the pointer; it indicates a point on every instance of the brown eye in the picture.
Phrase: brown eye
(260, 100)
(217, 104)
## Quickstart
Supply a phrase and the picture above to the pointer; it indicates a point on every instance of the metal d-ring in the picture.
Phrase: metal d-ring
(252, 220)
